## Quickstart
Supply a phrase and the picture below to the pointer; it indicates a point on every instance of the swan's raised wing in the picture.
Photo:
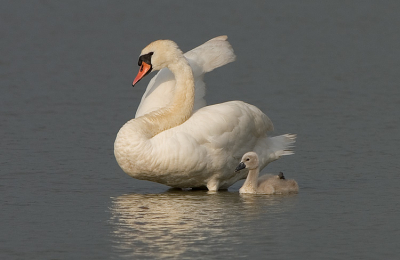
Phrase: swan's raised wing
(213, 54)
(206, 57)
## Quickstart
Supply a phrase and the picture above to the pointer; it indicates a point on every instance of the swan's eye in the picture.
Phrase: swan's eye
(248, 159)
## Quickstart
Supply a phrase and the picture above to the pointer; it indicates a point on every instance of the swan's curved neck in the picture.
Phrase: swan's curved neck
(181, 106)
(134, 138)
(251, 180)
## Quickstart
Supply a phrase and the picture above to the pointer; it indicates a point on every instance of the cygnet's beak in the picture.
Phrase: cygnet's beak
(144, 70)
(240, 166)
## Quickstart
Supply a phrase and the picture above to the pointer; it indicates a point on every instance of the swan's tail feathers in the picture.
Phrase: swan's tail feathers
(213, 54)
(278, 146)
(288, 141)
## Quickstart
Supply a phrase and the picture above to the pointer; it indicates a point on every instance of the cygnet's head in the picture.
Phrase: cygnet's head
(249, 161)
(155, 56)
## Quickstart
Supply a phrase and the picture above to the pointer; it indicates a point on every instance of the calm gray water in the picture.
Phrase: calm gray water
(326, 70)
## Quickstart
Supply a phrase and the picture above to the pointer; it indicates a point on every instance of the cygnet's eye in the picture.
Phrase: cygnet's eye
(248, 159)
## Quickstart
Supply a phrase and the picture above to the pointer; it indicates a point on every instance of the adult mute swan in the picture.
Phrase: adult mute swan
(266, 184)
(179, 147)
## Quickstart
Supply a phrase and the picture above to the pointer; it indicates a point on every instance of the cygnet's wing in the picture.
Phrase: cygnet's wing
(264, 178)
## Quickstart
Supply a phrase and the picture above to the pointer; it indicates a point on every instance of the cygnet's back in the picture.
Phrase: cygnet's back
(274, 184)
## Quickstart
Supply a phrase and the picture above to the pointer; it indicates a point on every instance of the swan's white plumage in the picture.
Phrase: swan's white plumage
(173, 146)
(205, 58)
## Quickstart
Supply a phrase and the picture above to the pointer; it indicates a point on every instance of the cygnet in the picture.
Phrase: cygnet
(266, 184)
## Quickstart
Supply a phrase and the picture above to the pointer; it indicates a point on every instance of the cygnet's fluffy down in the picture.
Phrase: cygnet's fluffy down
(266, 184)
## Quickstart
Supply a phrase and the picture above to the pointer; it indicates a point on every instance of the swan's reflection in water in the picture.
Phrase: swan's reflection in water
(176, 223)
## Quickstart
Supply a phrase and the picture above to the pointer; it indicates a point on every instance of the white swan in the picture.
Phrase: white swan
(266, 184)
(173, 146)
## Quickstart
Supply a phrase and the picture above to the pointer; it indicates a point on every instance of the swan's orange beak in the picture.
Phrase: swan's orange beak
(144, 70)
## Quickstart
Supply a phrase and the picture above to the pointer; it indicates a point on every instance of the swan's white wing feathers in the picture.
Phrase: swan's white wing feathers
(158, 94)
(211, 55)
(216, 135)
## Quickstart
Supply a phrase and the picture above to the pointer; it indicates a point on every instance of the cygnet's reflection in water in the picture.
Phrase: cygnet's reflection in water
(176, 223)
